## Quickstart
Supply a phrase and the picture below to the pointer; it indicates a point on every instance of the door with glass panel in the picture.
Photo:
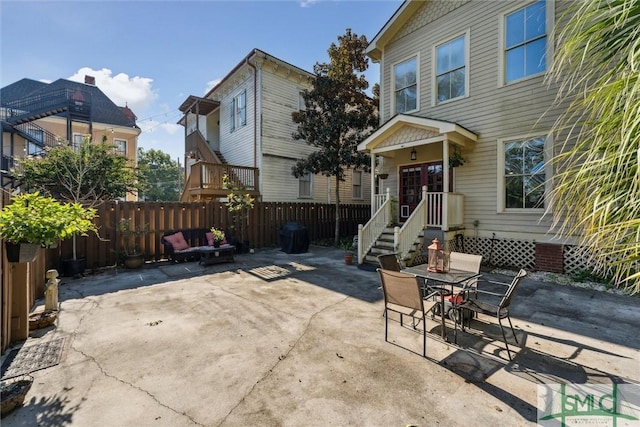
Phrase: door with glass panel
(412, 178)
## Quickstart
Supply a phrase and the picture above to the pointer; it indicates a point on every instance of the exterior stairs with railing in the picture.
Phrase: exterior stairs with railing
(384, 245)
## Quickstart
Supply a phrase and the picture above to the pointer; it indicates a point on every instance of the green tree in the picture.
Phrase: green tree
(338, 115)
(597, 188)
(164, 177)
(89, 175)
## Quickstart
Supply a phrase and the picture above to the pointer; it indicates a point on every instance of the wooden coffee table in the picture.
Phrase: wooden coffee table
(211, 255)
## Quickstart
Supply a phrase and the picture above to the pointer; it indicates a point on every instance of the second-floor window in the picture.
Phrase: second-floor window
(302, 105)
(120, 146)
(33, 149)
(304, 186)
(451, 69)
(239, 110)
(77, 141)
(357, 184)
(524, 173)
(405, 76)
(525, 42)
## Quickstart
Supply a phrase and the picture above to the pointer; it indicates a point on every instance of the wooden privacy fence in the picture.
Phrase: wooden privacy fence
(263, 224)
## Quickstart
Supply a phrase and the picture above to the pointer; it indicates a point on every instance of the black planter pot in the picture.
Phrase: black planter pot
(74, 267)
(134, 261)
(22, 252)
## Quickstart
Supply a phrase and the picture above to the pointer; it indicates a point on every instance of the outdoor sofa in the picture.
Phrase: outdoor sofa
(184, 245)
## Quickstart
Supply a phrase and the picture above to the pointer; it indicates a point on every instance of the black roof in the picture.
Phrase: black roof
(103, 110)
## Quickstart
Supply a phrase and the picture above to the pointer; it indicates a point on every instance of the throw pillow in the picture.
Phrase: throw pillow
(178, 241)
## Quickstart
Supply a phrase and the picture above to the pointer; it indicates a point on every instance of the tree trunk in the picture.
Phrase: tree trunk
(336, 237)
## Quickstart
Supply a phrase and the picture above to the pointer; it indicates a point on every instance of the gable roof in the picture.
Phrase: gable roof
(252, 56)
(434, 131)
(395, 23)
(103, 110)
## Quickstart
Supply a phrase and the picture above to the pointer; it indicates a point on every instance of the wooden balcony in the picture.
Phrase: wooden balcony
(205, 181)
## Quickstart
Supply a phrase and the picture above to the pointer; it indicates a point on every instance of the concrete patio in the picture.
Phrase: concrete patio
(298, 339)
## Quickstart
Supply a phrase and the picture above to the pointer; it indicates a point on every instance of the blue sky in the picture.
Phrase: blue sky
(153, 54)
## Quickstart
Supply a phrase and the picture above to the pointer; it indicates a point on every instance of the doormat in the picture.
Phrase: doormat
(22, 361)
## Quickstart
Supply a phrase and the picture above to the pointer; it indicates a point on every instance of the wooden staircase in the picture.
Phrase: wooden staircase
(384, 245)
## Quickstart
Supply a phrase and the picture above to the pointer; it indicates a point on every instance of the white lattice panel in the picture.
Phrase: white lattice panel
(503, 253)
(574, 259)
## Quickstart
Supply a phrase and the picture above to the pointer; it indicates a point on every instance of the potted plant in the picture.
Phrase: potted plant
(456, 159)
(32, 221)
(218, 237)
(348, 248)
(238, 203)
(130, 234)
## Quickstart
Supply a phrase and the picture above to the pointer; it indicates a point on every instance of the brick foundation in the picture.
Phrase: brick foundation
(549, 257)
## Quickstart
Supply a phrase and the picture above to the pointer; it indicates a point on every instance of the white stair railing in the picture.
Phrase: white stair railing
(405, 237)
(369, 232)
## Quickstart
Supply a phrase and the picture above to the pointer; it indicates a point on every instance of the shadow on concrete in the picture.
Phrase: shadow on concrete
(476, 368)
(54, 411)
(323, 267)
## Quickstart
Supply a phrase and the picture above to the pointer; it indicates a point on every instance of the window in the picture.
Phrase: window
(451, 70)
(239, 110)
(301, 104)
(356, 181)
(405, 76)
(525, 42)
(33, 149)
(524, 173)
(304, 186)
(77, 141)
(120, 146)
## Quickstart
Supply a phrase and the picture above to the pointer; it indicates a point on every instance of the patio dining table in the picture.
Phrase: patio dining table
(451, 277)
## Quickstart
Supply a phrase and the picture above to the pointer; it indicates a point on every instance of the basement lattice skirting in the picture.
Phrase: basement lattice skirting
(508, 253)
(514, 254)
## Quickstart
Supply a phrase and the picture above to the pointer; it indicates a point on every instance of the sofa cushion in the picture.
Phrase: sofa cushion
(177, 241)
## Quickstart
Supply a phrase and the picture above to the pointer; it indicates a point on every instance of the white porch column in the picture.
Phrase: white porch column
(445, 165)
(373, 183)
(445, 184)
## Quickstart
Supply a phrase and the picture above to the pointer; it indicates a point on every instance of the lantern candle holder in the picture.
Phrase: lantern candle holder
(437, 259)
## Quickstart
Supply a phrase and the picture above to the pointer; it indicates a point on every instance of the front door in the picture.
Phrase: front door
(412, 178)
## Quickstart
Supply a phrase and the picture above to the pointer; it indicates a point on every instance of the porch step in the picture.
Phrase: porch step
(221, 157)
(384, 245)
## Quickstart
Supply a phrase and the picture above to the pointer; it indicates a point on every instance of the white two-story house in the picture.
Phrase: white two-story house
(243, 128)
(464, 137)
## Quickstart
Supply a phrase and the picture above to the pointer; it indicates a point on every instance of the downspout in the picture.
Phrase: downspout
(255, 112)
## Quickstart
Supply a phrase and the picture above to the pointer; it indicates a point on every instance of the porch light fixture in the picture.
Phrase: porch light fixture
(414, 154)
(436, 257)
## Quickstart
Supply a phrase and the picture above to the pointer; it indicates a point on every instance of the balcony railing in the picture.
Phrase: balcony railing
(205, 180)
(76, 102)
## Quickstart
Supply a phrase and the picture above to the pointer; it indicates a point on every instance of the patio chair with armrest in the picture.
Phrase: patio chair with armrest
(480, 305)
(403, 295)
(389, 262)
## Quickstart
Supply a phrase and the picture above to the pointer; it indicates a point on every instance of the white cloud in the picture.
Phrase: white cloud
(136, 92)
(308, 3)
